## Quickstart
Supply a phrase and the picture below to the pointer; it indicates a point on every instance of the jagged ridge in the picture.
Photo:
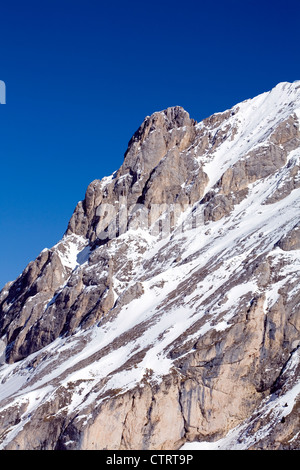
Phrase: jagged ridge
(178, 278)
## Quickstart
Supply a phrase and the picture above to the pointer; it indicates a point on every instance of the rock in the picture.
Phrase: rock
(291, 241)
(145, 329)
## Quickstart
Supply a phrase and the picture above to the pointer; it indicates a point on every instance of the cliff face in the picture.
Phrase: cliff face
(169, 311)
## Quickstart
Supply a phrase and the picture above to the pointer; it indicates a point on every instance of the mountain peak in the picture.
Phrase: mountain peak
(169, 311)
(154, 138)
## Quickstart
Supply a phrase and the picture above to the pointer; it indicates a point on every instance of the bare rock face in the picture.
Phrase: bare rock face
(262, 162)
(153, 174)
(27, 296)
(149, 174)
(291, 241)
(169, 311)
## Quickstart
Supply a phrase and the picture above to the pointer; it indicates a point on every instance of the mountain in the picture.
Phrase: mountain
(168, 315)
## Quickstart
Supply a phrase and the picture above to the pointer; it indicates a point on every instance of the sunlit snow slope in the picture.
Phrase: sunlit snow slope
(155, 338)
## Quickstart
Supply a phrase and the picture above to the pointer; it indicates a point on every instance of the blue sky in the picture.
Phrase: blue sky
(81, 75)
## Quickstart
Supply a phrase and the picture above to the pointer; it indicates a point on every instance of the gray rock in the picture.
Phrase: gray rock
(238, 287)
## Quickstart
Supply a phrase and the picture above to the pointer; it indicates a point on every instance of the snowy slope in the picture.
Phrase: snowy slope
(187, 286)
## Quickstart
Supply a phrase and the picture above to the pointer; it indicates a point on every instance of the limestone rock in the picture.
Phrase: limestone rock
(291, 241)
(169, 311)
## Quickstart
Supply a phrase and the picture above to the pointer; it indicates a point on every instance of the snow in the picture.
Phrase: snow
(83, 256)
(252, 122)
(148, 325)
(72, 250)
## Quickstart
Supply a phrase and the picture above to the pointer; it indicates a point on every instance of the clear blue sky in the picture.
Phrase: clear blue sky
(81, 75)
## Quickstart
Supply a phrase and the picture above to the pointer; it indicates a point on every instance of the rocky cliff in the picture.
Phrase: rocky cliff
(169, 312)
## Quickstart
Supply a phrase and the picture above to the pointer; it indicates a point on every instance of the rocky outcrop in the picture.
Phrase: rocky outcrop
(169, 312)
(152, 174)
(23, 305)
(154, 170)
(291, 241)
(262, 162)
